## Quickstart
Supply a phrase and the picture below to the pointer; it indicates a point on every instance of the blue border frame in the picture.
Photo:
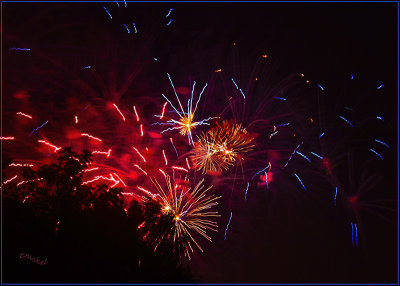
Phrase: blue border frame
(196, 1)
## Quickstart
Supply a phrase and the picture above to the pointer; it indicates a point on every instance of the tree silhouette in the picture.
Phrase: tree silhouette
(83, 231)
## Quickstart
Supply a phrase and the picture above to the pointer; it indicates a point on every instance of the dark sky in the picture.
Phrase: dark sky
(277, 236)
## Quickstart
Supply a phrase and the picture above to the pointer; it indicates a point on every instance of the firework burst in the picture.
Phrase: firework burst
(190, 210)
(185, 124)
(221, 147)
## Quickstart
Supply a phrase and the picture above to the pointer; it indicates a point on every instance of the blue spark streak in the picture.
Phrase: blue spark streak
(348, 108)
(348, 122)
(170, 103)
(280, 98)
(322, 134)
(177, 199)
(274, 133)
(117, 2)
(155, 59)
(355, 226)
(227, 226)
(191, 97)
(379, 87)
(169, 129)
(169, 12)
(134, 26)
(238, 88)
(316, 155)
(283, 124)
(373, 151)
(320, 87)
(269, 166)
(304, 156)
(85, 68)
(125, 3)
(19, 49)
(352, 233)
(266, 179)
(380, 118)
(127, 29)
(247, 188)
(235, 83)
(383, 143)
(201, 93)
(176, 151)
(298, 178)
(351, 77)
(170, 21)
(242, 93)
(335, 197)
(290, 158)
(186, 210)
(38, 127)
(107, 12)
(173, 87)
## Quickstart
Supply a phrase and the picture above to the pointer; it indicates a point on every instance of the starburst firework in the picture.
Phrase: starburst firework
(185, 124)
(221, 147)
(190, 210)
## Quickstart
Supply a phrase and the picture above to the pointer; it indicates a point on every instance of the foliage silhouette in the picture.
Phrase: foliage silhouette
(83, 231)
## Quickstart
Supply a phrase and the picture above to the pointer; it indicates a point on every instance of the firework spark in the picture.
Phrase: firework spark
(24, 114)
(189, 208)
(49, 144)
(220, 147)
(185, 124)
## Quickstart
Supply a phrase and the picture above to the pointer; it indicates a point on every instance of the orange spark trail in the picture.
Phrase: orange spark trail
(7, 138)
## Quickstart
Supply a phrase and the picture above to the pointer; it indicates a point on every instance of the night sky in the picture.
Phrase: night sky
(281, 235)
